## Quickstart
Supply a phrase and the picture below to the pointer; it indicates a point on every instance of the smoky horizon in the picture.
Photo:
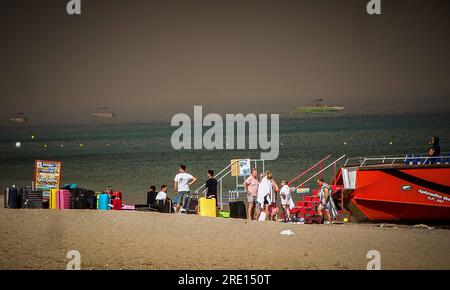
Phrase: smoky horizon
(148, 60)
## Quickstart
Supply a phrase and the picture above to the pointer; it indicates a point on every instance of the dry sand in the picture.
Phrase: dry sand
(40, 239)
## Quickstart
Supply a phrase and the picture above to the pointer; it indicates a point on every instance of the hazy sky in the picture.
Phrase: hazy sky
(148, 59)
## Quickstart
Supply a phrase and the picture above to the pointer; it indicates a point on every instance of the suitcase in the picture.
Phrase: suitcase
(63, 199)
(237, 210)
(164, 205)
(32, 199)
(191, 204)
(91, 201)
(78, 198)
(117, 204)
(20, 193)
(116, 200)
(12, 198)
(52, 198)
(207, 207)
(103, 201)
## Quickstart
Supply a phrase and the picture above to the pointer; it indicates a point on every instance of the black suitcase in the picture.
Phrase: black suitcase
(90, 199)
(191, 204)
(238, 210)
(77, 198)
(164, 206)
(32, 199)
(11, 198)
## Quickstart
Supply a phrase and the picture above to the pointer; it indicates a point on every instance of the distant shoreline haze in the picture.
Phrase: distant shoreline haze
(84, 117)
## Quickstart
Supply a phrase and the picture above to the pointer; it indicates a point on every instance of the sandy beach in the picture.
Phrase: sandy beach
(40, 239)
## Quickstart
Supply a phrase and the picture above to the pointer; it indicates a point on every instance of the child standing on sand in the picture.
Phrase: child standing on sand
(181, 184)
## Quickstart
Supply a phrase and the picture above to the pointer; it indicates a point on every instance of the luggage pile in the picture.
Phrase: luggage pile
(70, 196)
(23, 197)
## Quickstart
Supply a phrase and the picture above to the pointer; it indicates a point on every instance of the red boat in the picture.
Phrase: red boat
(407, 188)
(396, 188)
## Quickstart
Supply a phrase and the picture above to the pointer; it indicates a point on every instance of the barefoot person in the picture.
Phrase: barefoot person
(251, 185)
(273, 207)
(265, 191)
(285, 195)
(181, 184)
(326, 201)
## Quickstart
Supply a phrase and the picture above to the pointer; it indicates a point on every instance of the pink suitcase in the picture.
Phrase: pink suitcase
(63, 199)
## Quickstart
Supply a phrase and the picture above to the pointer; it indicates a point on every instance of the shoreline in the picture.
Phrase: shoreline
(40, 239)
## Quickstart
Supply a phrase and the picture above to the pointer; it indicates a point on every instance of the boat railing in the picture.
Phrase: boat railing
(410, 159)
(319, 172)
(309, 169)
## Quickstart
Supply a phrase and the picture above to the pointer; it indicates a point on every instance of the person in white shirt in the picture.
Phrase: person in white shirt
(264, 198)
(162, 195)
(285, 194)
(181, 184)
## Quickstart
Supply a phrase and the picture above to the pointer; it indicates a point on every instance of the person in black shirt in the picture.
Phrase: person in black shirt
(151, 196)
(211, 186)
(435, 149)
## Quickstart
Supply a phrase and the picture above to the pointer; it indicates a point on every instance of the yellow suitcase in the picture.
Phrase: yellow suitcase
(52, 198)
(207, 206)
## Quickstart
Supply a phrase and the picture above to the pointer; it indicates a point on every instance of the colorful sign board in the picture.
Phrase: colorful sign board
(47, 175)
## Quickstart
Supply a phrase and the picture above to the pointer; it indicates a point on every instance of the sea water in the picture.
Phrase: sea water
(131, 157)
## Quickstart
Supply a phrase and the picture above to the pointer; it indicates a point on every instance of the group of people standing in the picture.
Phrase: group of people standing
(263, 192)
(262, 195)
(182, 187)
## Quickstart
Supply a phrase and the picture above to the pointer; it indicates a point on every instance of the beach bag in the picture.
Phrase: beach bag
(224, 214)
(273, 209)
(262, 216)
(70, 186)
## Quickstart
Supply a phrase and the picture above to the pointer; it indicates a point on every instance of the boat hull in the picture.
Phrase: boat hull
(400, 193)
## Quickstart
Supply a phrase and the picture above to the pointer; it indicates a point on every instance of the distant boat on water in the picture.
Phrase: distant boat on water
(18, 118)
(320, 107)
(103, 113)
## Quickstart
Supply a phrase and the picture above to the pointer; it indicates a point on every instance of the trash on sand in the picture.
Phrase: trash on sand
(287, 233)
(422, 226)
(385, 226)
